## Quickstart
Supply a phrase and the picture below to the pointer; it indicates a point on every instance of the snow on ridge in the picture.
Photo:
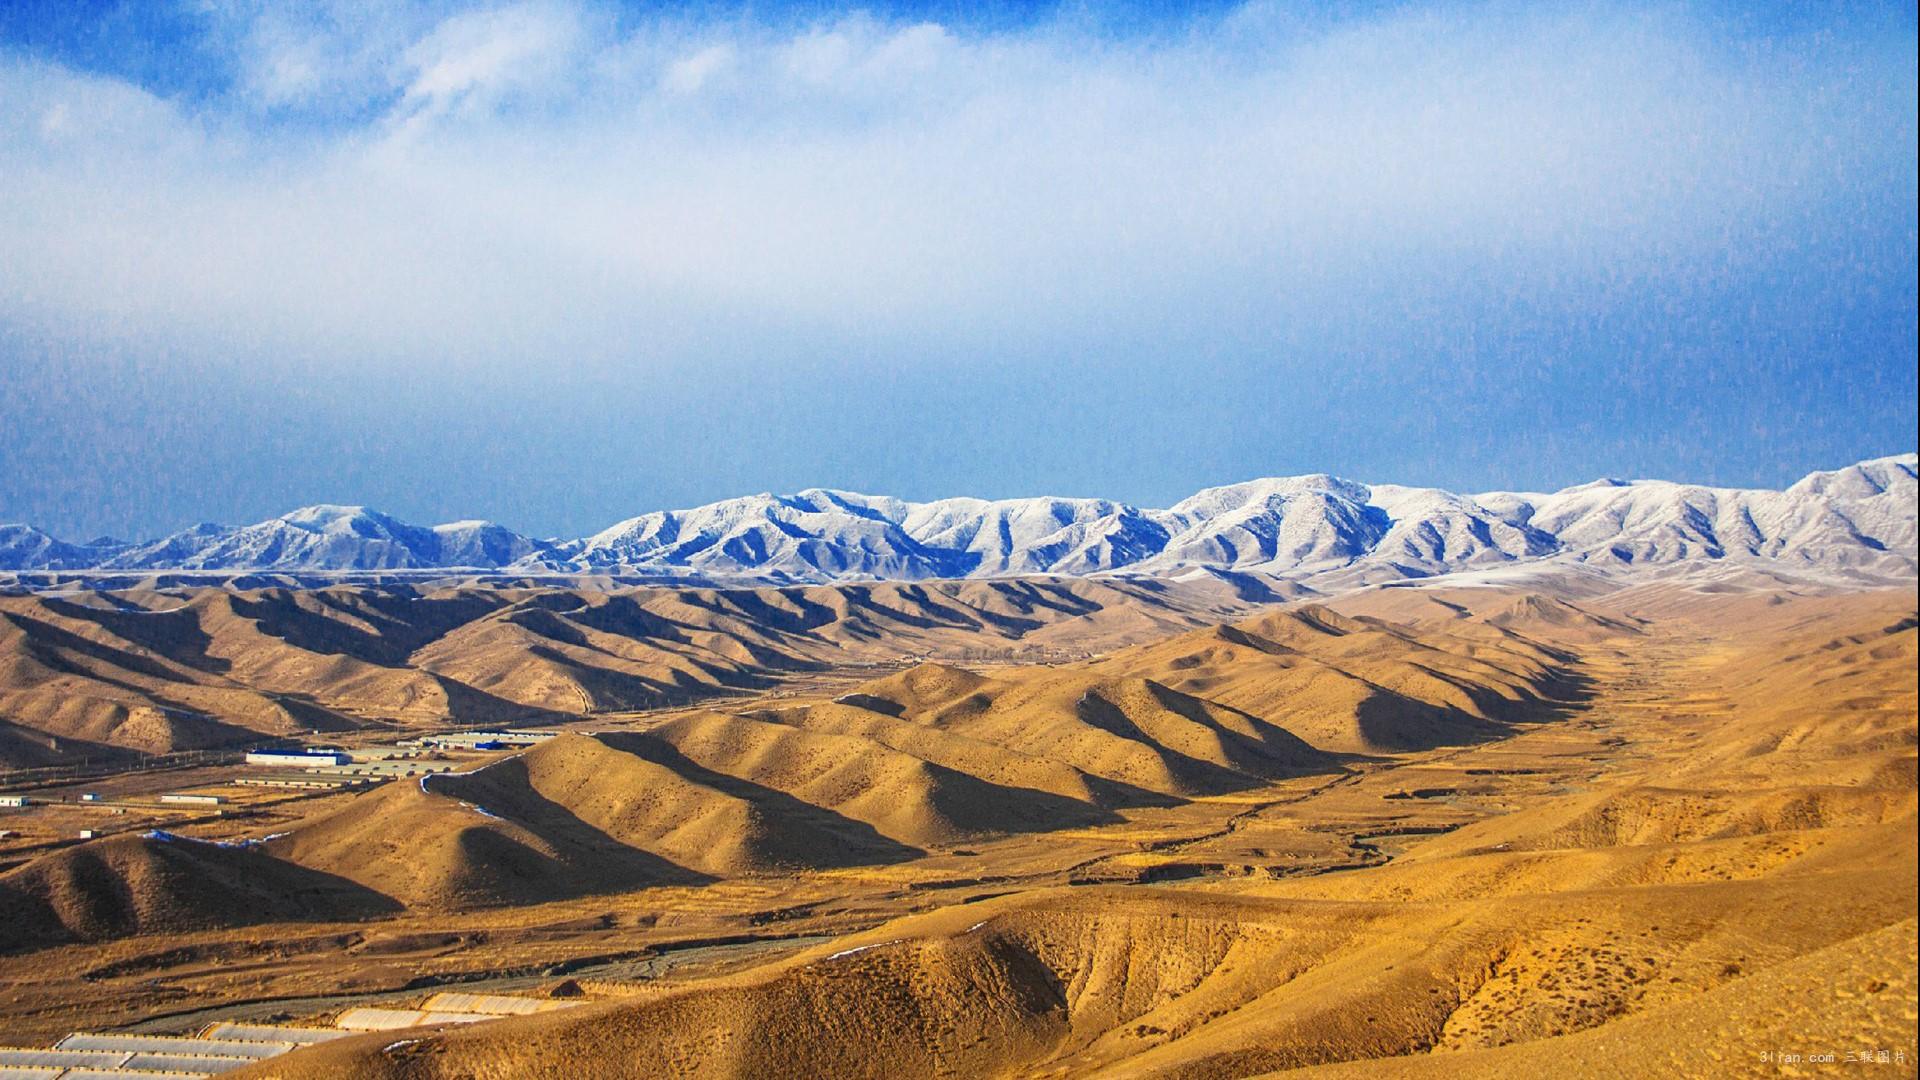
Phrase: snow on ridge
(1860, 517)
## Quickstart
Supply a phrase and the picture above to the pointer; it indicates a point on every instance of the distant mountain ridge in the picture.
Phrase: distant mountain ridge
(1860, 518)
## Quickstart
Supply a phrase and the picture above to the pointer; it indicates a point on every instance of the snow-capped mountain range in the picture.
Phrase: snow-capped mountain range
(1860, 518)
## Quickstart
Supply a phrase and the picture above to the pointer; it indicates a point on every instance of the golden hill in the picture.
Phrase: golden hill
(1711, 855)
(433, 844)
(930, 757)
(637, 792)
(156, 883)
(227, 666)
(711, 794)
(880, 720)
(704, 795)
(1174, 984)
(901, 795)
(1359, 685)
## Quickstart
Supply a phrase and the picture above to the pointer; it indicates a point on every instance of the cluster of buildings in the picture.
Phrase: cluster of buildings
(318, 768)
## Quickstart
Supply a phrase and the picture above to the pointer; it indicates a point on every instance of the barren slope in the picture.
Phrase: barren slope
(157, 883)
(1733, 870)
(163, 670)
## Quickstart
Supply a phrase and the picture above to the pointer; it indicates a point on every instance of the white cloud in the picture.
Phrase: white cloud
(529, 181)
(693, 72)
(324, 56)
(477, 60)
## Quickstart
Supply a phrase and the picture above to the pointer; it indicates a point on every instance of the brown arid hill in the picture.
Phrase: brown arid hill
(1564, 621)
(933, 756)
(1358, 684)
(427, 847)
(708, 794)
(1853, 994)
(901, 795)
(158, 883)
(1133, 733)
(1711, 857)
(581, 814)
(229, 666)
(885, 721)
(1158, 983)
(28, 748)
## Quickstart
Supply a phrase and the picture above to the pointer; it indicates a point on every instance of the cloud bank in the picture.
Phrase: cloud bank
(555, 262)
(562, 183)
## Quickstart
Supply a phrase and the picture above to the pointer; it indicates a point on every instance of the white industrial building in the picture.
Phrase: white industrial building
(296, 759)
(484, 740)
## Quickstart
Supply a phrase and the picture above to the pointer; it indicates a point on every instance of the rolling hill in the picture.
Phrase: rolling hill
(1734, 863)
(930, 757)
(158, 883)
(153, 671)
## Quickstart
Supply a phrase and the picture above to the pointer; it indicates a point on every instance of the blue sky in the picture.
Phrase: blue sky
(556, 263)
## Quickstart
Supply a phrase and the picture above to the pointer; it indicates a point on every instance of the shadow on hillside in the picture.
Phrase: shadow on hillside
(1271, 752)
(1399, 723)
(859, 844)
(176, 635)
(590, 861)
(149, 884)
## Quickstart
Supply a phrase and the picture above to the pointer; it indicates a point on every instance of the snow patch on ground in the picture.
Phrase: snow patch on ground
(862, 948)
(469, 772)
(165, 837)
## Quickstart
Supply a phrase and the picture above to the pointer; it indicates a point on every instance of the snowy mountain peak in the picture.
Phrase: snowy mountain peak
(1864, 480)
(321, 513)
(1858, 520)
